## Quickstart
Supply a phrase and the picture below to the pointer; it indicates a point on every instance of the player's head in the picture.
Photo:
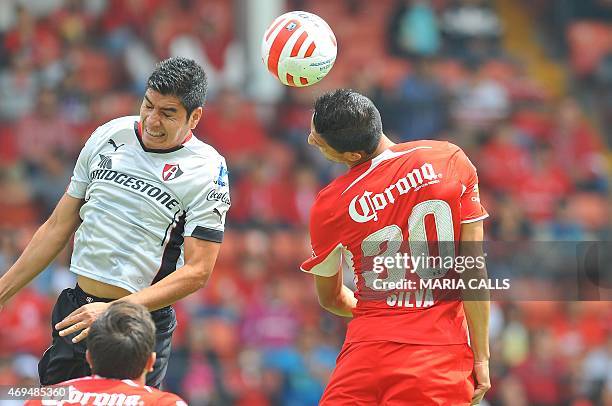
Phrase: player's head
(346, 126)
(121, 341)
(172, 104)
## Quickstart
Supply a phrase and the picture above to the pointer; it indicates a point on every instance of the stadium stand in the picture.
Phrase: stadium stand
(255, 335)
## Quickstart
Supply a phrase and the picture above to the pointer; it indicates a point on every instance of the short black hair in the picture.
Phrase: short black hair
(183, 78)
(121, 340)
(347, 121)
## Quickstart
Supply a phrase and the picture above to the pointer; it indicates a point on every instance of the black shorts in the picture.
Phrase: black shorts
(65, 360)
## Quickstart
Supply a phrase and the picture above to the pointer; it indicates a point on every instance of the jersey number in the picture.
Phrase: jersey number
(372, 245)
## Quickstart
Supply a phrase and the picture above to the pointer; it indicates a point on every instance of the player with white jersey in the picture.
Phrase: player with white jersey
(120, 352)
(163, 195)
(147, 203)
(408, 341)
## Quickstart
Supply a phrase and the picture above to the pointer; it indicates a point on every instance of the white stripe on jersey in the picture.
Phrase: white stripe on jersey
(384, 156)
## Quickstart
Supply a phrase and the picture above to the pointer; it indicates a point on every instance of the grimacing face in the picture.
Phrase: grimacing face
(164, 120)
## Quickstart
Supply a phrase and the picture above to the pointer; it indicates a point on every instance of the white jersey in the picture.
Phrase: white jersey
(141, 203)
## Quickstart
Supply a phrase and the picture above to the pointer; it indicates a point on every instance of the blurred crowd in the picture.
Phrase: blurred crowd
(456, 70)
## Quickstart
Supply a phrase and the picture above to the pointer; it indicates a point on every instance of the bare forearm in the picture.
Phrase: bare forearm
(200, 258)
(343, 304)
(477, 314)
(179, 284)
(46, 244)
(476, 302)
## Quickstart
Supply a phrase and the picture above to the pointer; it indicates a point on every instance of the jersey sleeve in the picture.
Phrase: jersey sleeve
(207, 209)
(326, 247)
(80, 176)
(471, 209)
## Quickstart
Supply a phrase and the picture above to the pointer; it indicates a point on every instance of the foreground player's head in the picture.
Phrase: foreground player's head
(346, 127)
(120, 342)
(172, 104)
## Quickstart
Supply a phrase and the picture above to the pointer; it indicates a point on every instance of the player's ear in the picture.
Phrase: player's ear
(195, 117)
(150, 362)
(88, 358)
(353, 157)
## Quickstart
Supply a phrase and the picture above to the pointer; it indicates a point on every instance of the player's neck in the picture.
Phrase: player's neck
(383, 145)
(141, 380)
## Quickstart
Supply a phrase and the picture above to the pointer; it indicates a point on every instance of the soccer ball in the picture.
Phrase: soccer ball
(299, 48)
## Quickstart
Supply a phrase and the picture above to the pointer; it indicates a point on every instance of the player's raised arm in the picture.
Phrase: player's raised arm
(326, 265)
(334, 296)
(46, 244)
(476, 305)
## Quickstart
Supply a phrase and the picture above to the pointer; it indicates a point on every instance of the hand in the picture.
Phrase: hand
(81, 319)
(482, 381)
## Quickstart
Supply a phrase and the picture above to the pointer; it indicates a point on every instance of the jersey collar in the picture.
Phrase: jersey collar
(138, 131)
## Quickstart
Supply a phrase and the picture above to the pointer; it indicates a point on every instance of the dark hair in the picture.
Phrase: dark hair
(121, 340)
(348, 121)
(183, 78)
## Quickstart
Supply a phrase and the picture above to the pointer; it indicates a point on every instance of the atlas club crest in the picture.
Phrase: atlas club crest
(171, 171)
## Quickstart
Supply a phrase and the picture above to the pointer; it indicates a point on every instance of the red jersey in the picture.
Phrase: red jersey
(95, 390)
(412, 195)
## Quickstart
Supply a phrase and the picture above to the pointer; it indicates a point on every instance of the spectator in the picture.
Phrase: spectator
(45, 130)
(506, 159)
(543, 373)
(421, 108)
(49, 178)
(232, 126)
(472, 29)
(545, 185)
(480, 101)
(578, 148)
(413, 29)
(18, 88)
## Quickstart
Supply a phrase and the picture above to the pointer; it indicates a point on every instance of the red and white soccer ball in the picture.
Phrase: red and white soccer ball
(299, 48)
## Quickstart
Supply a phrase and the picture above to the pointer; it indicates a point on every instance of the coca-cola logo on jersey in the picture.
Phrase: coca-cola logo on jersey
(218, 196)
(364, 207)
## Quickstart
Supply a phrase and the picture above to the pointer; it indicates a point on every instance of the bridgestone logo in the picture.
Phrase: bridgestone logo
(139, 185)
(364, 207)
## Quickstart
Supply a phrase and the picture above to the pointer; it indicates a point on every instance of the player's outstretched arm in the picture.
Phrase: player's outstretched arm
(200, 258)
(47, 242)
(334, 296)
(477, 305)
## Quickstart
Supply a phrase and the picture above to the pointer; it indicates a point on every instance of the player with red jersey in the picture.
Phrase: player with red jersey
(95, 390)
(406, 344)
(120, 352)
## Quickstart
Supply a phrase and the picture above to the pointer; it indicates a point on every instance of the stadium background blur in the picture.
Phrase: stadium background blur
(525, 87)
